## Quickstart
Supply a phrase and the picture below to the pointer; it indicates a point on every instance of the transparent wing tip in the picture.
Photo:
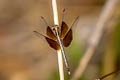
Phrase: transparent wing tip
(69, 73)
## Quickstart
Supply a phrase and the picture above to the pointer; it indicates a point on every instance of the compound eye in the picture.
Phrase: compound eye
(53, 29)
(58, 27)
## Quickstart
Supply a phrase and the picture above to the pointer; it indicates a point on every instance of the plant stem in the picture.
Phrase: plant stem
(60, 59)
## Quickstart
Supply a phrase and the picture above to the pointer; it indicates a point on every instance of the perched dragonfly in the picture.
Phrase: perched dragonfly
(59, 37)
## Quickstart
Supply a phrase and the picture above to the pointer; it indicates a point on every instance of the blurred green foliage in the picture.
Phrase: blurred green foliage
(117, 42)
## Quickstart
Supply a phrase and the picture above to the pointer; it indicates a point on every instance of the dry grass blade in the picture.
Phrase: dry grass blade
(105, 15)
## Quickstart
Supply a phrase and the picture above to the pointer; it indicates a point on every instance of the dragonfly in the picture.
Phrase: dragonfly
(59, 37)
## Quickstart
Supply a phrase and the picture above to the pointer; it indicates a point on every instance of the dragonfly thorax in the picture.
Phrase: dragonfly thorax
(56, 30)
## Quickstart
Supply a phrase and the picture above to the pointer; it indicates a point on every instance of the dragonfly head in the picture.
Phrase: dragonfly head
(55, 29)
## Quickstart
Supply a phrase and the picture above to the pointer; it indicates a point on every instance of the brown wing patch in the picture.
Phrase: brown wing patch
(53, 44)
(64, 29)
(50, 33)
(68, 38)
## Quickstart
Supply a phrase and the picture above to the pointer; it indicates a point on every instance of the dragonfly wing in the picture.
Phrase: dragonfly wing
(68, 34)
(64, 29)
(50, 33)
(68, 38)
(39, 34)
(53, 44)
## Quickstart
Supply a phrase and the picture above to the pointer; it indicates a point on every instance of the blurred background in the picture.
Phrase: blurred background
(24, 56)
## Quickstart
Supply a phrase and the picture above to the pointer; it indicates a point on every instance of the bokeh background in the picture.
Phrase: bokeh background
(24, 56)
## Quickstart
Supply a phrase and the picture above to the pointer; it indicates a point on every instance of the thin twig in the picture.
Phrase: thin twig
(109, 74)
(104, 17)
(60, 59)
(60, 64)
